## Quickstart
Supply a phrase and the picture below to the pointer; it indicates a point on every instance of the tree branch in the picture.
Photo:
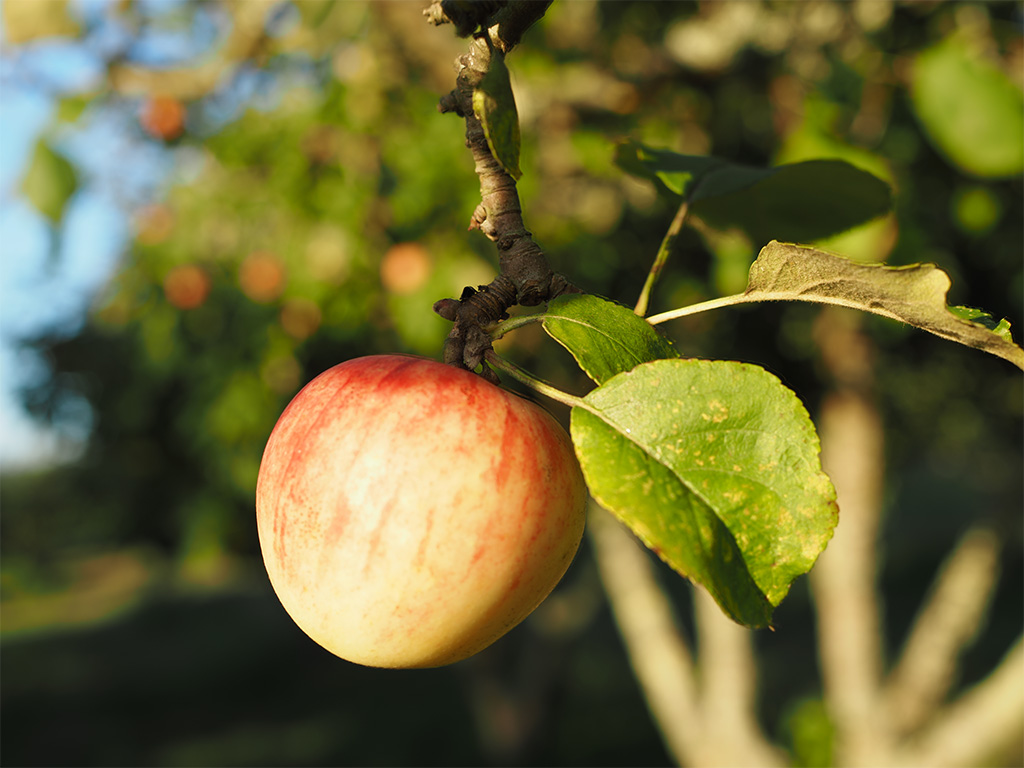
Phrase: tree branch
(657, 651)
(983, 723)
(505, 22)
(843, 582)
(943, 628)
(524, 275)
(728, 686)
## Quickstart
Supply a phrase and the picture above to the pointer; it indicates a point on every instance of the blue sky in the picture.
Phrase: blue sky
(37, 290)
(119, 172)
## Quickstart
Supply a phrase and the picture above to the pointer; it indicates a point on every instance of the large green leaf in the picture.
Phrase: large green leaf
(915, 294)
(714, 465)
(970, 109)
(798, 201)
(605, 338)
(49, 181)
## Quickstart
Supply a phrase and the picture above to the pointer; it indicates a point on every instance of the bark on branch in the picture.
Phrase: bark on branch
(525, 277)
(505, 21)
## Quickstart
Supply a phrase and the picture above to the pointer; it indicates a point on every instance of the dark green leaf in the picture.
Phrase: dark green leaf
(679, 173)
(798, 201)
(801, 202)
(604, 337)
(714, 465)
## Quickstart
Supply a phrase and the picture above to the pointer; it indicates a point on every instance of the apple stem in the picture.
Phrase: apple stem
(533, 382)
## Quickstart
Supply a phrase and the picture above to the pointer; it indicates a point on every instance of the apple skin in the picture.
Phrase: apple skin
(410, 513)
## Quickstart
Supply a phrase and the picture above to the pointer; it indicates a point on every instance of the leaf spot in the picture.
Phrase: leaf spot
(719, 412)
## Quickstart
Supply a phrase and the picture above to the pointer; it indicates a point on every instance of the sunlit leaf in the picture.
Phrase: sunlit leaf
(604, 337)
(915, 294)
(978, 316)
(714, 466)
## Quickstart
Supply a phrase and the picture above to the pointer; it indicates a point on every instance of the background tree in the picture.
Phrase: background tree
(312, 210)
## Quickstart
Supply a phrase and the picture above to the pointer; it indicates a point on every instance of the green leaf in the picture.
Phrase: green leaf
(800, 202)
(49, 181)
(70, 108)
(495, 107)
(682, 174)
(714, 465)
(679, 173)
(970, 110)
(812, 734)
(797, 201)
(1001, 328)
(816, 138)
(914, 294)
(605, 338)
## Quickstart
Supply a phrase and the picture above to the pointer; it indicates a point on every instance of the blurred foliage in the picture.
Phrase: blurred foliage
(317, 208)
(811, 734)
(49, 181)
(971, 109)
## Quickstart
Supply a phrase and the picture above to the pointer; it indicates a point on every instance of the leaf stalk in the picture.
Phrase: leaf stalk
(512, 323)
(662, 256)
(703, 306)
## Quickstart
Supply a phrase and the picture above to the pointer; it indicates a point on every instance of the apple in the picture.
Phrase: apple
(411, 513)
(163, 117)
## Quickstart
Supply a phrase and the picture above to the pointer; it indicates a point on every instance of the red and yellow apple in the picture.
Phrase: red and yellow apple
(410, 513)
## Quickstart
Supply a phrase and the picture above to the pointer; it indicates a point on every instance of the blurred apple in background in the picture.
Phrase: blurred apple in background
(163, 117)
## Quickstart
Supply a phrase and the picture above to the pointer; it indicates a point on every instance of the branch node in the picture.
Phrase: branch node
(450, 103)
